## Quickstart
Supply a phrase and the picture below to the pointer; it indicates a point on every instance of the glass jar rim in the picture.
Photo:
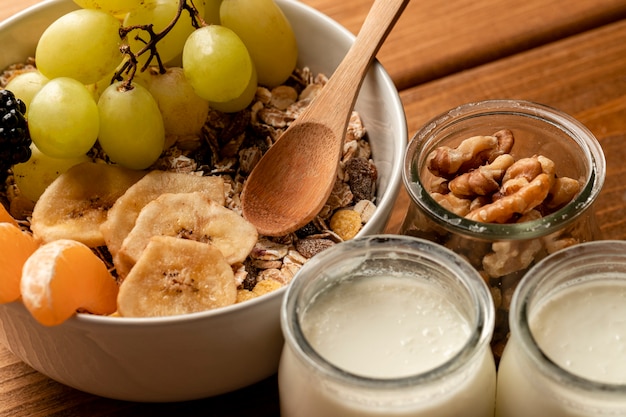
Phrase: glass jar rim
(513, 231)
(590, 253)
(361, 248)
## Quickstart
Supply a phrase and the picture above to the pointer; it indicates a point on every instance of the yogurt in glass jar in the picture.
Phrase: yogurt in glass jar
(567, 352)
(387, 325)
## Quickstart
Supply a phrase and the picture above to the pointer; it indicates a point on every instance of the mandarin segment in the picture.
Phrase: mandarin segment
(15, 248)
(5, 216)
(64, 276)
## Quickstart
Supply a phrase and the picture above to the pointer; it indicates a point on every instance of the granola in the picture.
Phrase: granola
(229, 146)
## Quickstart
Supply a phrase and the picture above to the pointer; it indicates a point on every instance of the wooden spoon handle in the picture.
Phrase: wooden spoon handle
(341, 91)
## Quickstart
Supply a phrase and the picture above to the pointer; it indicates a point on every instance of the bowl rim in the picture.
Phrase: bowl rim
(392, 189)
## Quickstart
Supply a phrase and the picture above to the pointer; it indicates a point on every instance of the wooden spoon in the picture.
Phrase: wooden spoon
(291, 183)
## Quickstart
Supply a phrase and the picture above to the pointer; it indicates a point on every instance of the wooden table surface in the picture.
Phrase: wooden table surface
(440, 55)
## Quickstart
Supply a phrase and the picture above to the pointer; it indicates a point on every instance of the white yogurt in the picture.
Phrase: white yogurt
(386, 327)
(582, 329)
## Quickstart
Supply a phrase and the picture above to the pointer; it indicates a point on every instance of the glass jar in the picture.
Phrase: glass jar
(502, 253)
(387, 325)
(566, 356)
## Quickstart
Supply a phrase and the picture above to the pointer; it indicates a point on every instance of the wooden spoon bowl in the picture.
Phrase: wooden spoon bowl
(295, 177)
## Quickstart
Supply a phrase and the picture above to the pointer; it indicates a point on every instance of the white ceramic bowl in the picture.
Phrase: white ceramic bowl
(210, 353)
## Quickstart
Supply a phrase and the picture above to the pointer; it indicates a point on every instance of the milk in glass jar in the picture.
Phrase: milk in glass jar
(387, 326)
(567, 352)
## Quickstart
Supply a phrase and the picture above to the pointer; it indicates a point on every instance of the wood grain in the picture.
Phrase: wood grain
(437, 38)
(583, 75)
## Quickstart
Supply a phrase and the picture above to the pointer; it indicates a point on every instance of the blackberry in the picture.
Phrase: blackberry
(14, 136)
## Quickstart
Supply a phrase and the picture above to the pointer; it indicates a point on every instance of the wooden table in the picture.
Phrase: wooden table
(440, 55)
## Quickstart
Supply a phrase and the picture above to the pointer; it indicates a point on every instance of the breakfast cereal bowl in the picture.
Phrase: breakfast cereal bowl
(207, 353)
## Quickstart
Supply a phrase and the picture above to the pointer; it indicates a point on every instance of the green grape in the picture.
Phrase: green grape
(63, 119)
(240, 102)
(212, 12)
(114, 7)
(200, 6)
(217, 63)
(140, 77)
(131, 126)
(184, 112)
(267, 34)
(160, 13)
(83, 44)
(98, 87)
(25, 85)
(35, 175)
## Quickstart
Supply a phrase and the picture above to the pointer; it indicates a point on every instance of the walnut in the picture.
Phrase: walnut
(451, 202)
(526, 168)
(446, 162)
(521, 202)
(562, 192)
(510, 256)
(482, 181)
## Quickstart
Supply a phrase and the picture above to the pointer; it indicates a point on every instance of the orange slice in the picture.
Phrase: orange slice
(15, 247)
(64, 276)
(5, 217)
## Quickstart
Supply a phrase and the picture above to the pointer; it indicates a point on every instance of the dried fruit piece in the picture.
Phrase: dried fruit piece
(190, 216)
(76, 203)
(362, 176)
(310, 247)
(122, 216)
(177, 276)
(64, 276)
(16, 246)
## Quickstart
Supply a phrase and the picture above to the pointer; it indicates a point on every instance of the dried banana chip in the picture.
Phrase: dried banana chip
(189, 216)
(176, 276)
(121, 218)
(76, 203)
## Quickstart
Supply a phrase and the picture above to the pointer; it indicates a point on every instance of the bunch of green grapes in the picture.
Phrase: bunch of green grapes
(90, 88)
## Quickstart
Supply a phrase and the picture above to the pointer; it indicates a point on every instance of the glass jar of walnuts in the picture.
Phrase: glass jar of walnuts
(503, 183)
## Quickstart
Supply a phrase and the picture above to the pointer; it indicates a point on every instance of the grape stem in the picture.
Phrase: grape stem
(130, 65)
